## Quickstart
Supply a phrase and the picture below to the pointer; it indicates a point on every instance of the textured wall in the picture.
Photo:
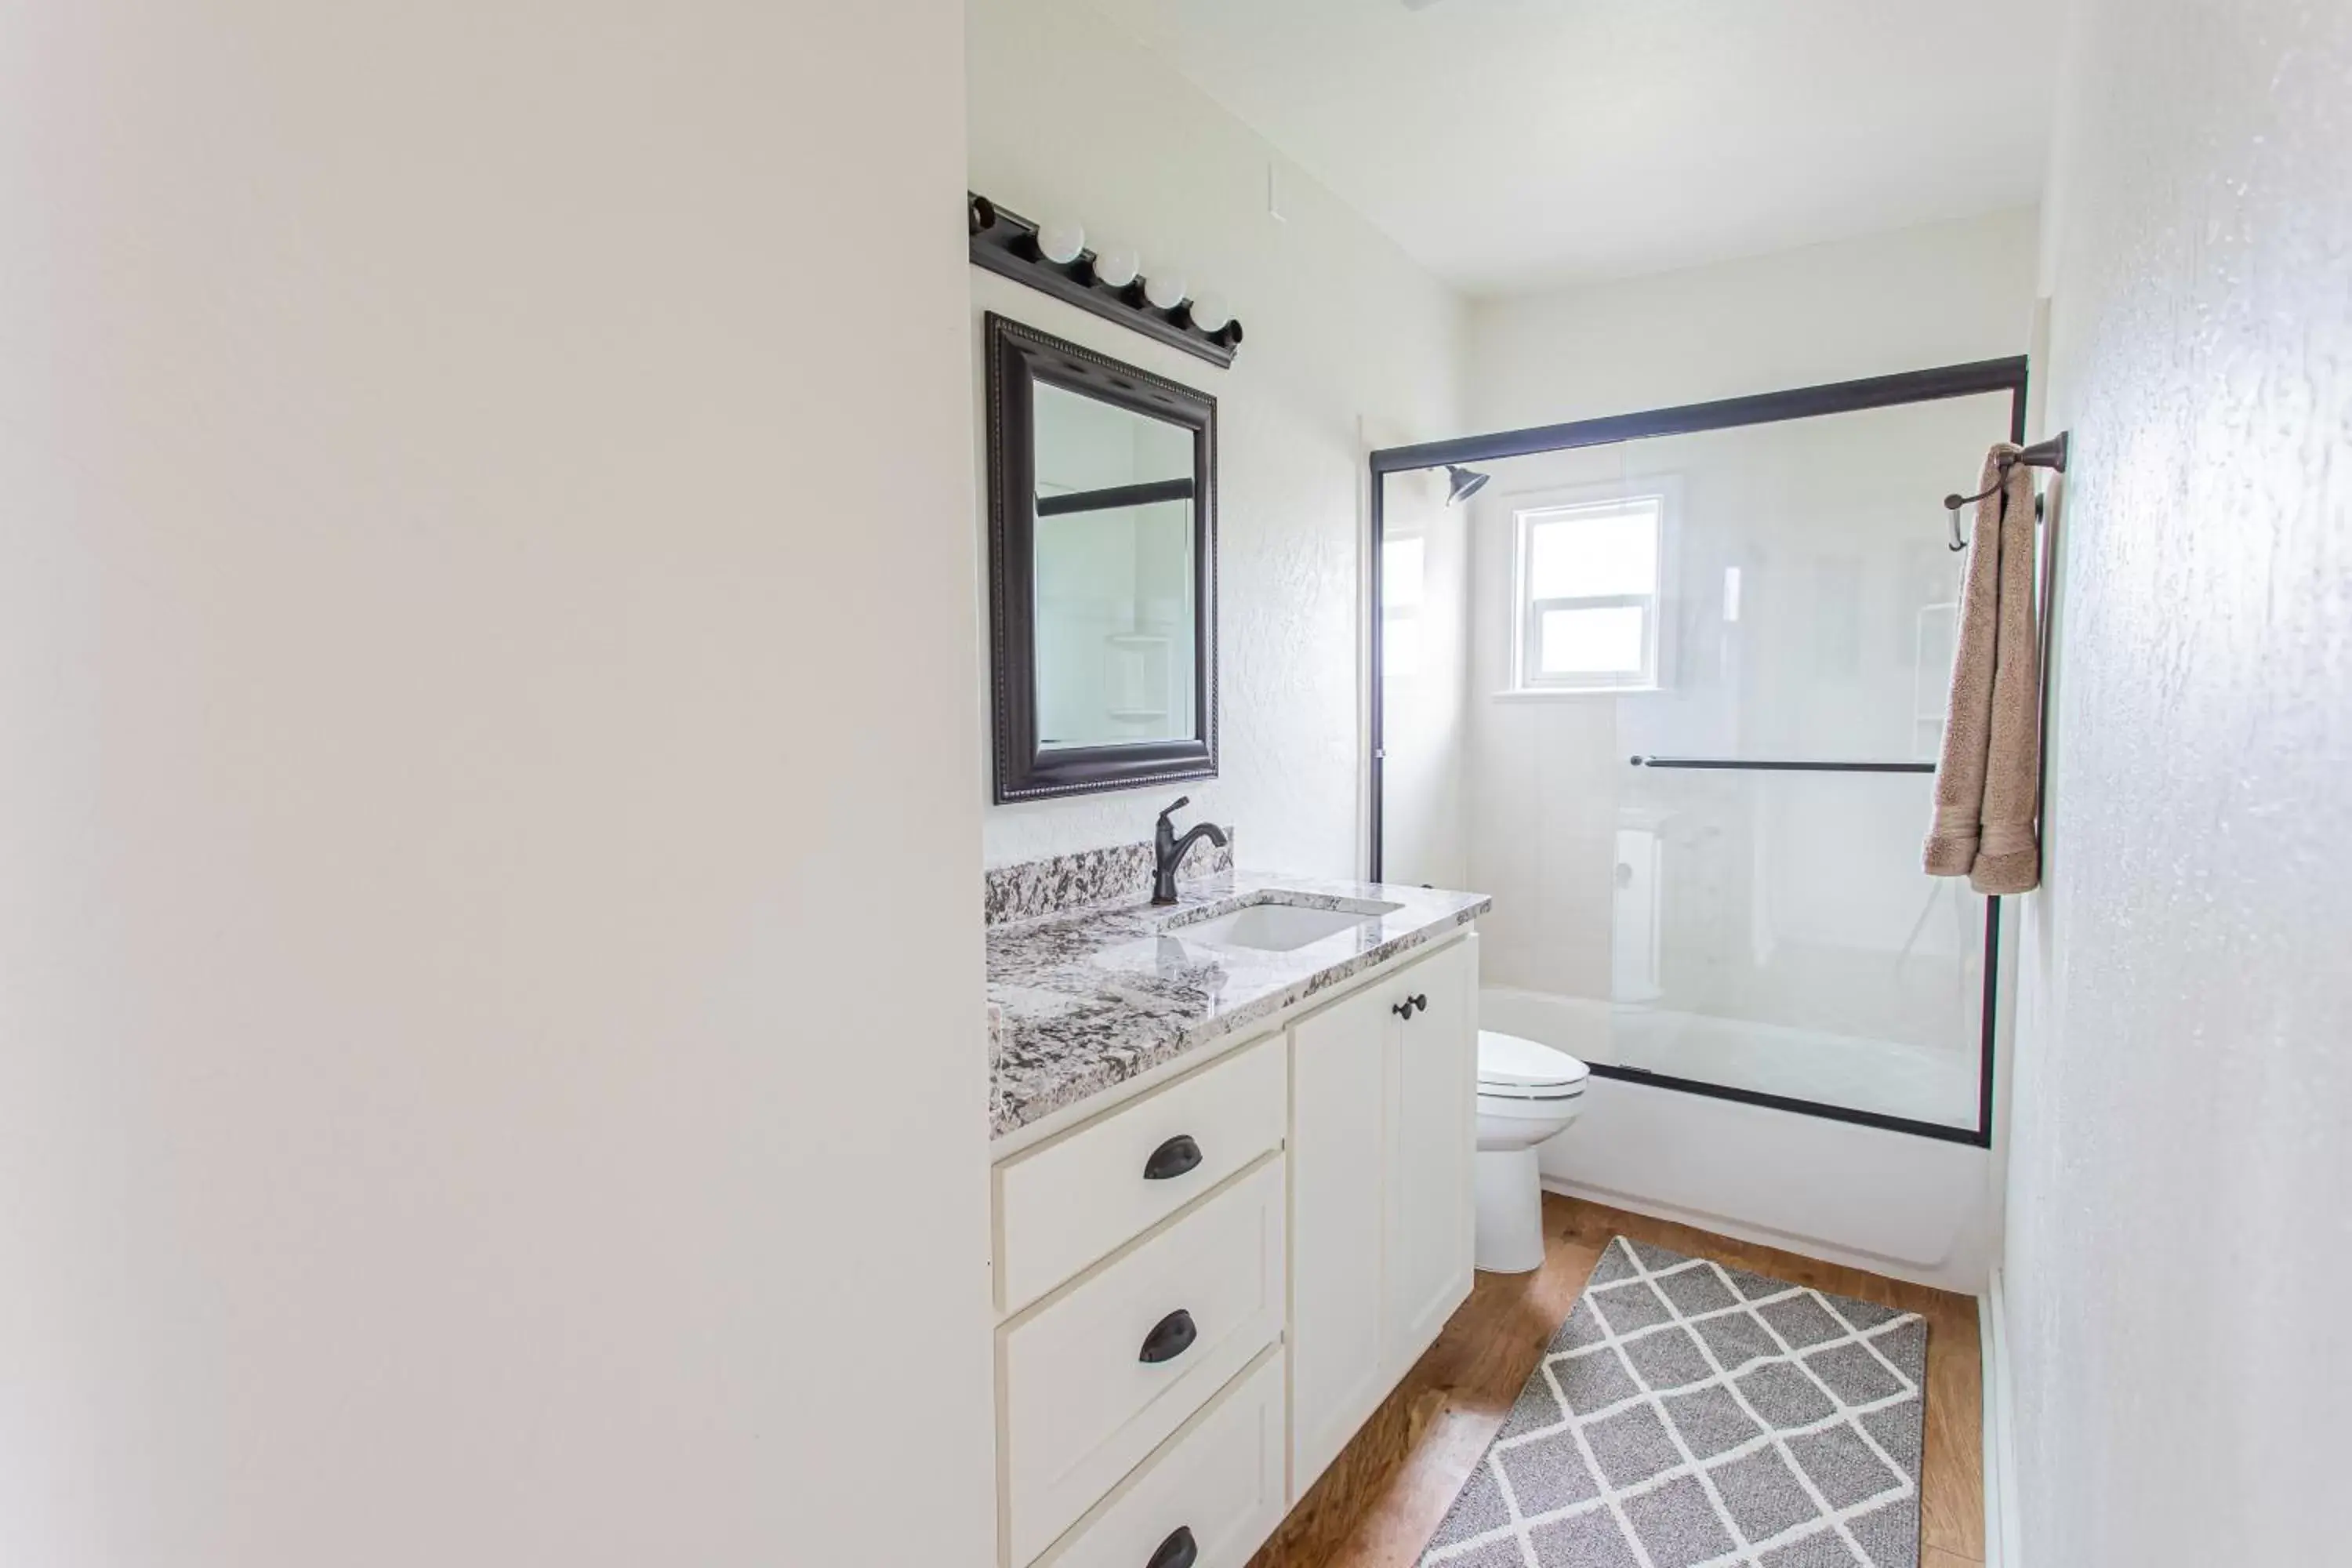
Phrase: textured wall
(1345, 334)
(2178, 1268)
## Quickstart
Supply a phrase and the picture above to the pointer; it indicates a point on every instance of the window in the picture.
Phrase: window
(1588, 595)
(1401, 560)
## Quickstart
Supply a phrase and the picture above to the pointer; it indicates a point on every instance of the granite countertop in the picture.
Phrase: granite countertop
(1083, 1001)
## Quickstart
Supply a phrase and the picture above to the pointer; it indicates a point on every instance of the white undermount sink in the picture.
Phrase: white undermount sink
(1278, 927)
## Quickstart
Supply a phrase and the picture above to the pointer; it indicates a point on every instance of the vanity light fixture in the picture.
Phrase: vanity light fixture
(1061, 241)
(1111, 282)
(1116, 267)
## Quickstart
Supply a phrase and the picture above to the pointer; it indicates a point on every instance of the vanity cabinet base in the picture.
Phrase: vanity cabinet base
(1206, 1289)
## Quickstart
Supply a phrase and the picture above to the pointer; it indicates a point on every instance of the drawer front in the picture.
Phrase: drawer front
(1062, 1205)
(1079, 1406)
(1220, 1480)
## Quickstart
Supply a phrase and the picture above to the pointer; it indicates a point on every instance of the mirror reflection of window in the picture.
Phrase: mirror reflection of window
(1114, 573)
(1403, 559)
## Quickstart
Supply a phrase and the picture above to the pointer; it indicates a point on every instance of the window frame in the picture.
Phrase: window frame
(1527, 679)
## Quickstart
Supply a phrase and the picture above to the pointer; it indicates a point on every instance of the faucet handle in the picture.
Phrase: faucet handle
(1178, 803)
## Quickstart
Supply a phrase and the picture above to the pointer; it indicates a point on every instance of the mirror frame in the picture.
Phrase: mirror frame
(1018, 357)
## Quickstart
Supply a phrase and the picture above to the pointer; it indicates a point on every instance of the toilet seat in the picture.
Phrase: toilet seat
(1512, 1068)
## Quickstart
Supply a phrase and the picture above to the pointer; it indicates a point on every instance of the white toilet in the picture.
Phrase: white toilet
(1526, 1093)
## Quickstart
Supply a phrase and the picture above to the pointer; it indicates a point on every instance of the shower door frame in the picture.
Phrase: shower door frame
(1969, 380)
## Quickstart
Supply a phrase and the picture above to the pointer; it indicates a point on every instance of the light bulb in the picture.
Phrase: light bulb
(1061, 240)
(1209, 313)
(1116, 266)
(1165, 289)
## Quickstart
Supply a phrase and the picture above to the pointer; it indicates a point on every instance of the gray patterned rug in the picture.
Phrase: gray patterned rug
(1690, 1416)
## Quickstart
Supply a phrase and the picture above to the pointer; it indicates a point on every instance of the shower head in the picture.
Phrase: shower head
(1464, 482)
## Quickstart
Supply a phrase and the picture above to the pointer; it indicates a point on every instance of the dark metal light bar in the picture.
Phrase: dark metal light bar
(1005, 243)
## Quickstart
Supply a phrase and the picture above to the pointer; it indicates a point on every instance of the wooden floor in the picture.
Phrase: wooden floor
(1382, 1499)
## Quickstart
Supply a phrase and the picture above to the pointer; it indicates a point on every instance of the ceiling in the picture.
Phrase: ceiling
(1513, 145)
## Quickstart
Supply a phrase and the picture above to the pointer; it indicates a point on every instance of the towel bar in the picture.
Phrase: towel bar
(1750, 764)
(2050, 453)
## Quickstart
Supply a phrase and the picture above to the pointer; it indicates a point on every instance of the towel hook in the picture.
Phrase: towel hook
(2050, 453)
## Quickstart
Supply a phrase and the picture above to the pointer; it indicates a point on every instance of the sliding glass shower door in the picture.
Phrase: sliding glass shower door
(1762, 940)
(1700, 681)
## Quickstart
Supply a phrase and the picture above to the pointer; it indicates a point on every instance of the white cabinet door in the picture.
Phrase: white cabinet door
(1432, 1130)
(1340, 1090)
(1383, 1128)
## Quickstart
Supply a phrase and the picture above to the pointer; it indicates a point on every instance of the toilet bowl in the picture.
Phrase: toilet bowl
(1526, 1093)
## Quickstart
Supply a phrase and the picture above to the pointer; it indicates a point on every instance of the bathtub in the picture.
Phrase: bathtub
(1896, 1203)
(1917, 1082)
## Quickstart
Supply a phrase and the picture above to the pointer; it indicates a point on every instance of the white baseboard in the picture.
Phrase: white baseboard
(2001, 1546)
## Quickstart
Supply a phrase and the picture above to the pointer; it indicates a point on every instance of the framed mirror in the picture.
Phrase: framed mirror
(1102, 570)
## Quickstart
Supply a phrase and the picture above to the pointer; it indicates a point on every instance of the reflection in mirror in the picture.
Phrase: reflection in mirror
(1113, 574)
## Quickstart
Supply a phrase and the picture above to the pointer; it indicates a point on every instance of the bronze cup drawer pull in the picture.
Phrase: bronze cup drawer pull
(1173, 1158)
(1171, 1337)
(1179, 1551)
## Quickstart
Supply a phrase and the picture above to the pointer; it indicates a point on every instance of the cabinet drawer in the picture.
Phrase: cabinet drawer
(1079, 1406)
(1220, 1479)
(1061, 1206)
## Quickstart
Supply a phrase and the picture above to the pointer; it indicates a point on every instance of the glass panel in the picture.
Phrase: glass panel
(1593, 553)
(1766, 931)
(1114, 579)
(1773, 931)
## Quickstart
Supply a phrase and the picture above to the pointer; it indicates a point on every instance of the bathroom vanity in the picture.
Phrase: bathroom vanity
(1233, 1202)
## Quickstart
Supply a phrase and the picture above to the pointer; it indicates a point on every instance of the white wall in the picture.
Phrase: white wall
(1069, 117)
(470, 702)
(2176, 1266)
(1939, 295)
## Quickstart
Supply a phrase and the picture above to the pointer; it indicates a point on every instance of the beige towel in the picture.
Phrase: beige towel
(1987, 780)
